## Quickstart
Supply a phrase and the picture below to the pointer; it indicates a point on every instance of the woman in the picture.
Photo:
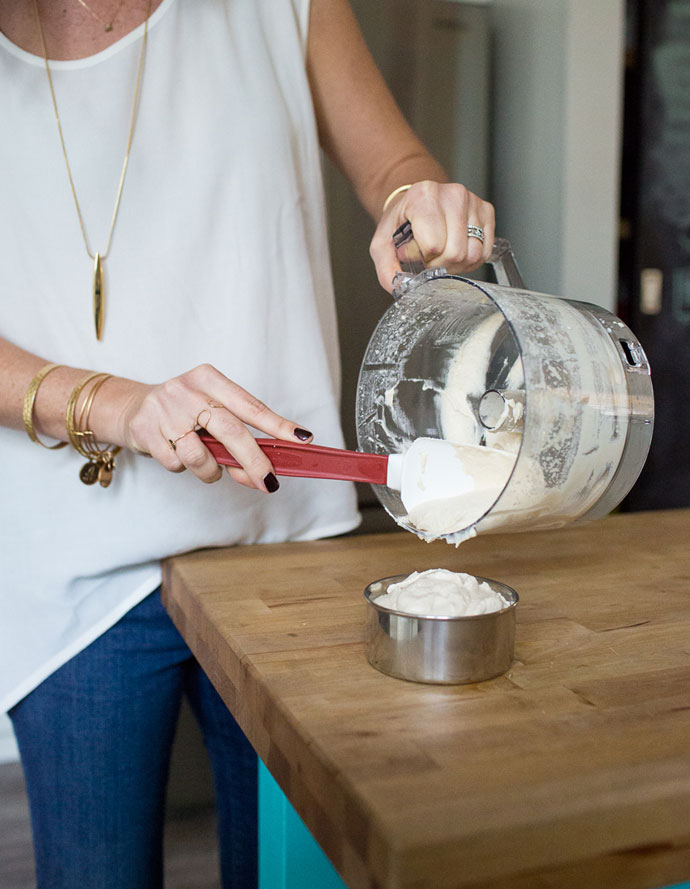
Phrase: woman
(193, 295)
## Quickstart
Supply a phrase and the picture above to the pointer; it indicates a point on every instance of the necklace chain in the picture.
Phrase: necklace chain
(125, 163)
(97, 257)
(107, 25)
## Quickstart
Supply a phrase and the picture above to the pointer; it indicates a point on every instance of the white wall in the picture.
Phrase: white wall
(557, 127)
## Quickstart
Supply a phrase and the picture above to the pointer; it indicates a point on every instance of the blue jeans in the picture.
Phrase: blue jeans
(95, 741)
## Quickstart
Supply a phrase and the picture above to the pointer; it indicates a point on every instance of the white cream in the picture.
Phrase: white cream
(442, 593)
(466, 383)
(473, 479)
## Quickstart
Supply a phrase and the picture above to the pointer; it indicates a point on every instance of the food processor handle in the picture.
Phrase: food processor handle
(501, 260)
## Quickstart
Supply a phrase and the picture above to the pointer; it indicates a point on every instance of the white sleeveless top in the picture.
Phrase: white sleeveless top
(219, 255)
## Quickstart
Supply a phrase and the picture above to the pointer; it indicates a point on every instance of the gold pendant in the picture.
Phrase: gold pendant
(89, 473)
(105, 474)
(98, 295)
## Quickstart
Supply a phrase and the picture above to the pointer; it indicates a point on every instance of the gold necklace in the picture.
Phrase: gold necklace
(98, 258)
(107, 25)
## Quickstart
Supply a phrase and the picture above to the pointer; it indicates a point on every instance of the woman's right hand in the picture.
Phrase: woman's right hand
(162, 421)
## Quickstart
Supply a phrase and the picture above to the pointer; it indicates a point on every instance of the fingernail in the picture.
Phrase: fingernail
(302, 434)
(271, 482)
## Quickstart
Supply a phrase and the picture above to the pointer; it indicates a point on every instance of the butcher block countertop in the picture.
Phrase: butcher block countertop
(571, 770)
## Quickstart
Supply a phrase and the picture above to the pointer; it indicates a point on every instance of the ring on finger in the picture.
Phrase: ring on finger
(474, 231)
(199, 423)
(202, 424)
(172, 442)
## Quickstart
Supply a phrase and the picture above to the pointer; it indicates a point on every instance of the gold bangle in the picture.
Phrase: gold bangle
(396, 191)
(28, 407)
(72, 431)
(88, 439)
(100, 461)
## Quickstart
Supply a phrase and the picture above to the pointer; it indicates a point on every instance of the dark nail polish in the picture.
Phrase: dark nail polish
(302, 434)
(271, 482)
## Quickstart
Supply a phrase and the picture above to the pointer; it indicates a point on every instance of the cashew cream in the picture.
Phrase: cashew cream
(442, 593)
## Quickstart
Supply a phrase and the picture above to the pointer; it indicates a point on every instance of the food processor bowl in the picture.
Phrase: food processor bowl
(562, 385)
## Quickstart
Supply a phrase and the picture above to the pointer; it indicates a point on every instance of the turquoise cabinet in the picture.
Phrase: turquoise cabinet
(289, 856)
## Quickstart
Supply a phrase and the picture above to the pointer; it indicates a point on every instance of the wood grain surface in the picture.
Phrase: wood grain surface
(570, 771)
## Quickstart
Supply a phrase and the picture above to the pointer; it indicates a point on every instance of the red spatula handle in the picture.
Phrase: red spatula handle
(311, 461)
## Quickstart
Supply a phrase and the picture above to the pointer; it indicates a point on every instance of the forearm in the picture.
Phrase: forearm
(18, 368)
(363, 131)
(361, 127)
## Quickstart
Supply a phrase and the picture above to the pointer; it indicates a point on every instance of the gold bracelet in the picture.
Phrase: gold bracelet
(100, 461)
(28, 408)
(70, 410)
(87, 438)
(396, 191)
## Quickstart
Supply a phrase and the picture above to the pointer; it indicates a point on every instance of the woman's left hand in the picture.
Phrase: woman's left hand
(443, 217)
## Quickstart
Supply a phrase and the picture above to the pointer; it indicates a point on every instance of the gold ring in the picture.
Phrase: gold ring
(199, 424)
(173, 441)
